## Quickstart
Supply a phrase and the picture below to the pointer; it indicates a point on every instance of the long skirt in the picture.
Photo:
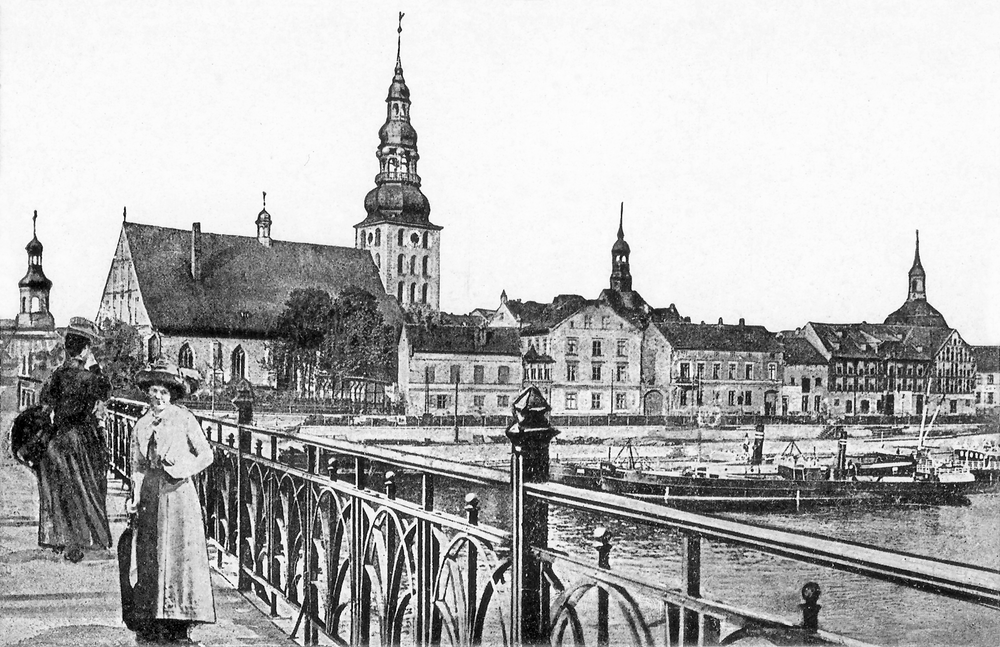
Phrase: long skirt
(73, 490)
(173, 581)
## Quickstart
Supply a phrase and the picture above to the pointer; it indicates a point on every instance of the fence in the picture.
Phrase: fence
(320, 526)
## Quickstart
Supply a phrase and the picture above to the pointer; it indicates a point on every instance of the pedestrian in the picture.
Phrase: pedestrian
(173, 586)
(72, 471)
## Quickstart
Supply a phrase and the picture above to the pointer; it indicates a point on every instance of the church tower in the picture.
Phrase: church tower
(397, 231)
(34, 288)
(916, 311)
(621, 275)
(918, 279)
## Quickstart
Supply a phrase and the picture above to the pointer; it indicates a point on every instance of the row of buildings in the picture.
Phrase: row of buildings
(209, 302)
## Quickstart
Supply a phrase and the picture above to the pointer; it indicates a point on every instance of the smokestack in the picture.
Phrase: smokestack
(758, 445)
(196, 251)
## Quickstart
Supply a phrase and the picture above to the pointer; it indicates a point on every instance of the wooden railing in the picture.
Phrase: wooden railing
(357, 541)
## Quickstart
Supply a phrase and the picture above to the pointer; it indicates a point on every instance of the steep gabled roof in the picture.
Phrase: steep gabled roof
(881, 341)
(799, 352)
(243, 285)
(463, 340)
(720, 337)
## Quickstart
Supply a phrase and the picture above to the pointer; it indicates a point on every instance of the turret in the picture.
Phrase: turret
(264, 224)
(35, 287)
(621, 275)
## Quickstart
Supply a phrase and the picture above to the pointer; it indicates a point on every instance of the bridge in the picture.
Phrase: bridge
(345, 543)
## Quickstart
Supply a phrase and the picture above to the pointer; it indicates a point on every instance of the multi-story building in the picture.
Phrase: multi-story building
(710, 369)
(987, 377)
(803, 390)
(469, 370)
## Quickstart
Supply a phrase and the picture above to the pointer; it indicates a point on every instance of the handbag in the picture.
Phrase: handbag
(124, 574)
(30, 435)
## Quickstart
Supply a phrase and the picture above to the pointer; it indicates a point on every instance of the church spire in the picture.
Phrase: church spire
(35, 286)
(263, 223)
(621, 275)
(917, 276)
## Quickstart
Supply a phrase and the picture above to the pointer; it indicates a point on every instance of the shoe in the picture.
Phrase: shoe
(74, 554)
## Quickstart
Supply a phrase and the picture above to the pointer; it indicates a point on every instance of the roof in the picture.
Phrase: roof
(537, 317)
(799, 351)
(917, 312)
(534, 357)
(463, 340)
(243, 285)
(720, 337)
(881, 341)
(987, 359)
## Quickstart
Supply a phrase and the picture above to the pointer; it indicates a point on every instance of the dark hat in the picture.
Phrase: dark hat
(165, 373)
(82, 327)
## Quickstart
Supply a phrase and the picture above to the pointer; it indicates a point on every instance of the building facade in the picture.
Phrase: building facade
(463, 370)
(987, 377)
(404, 244)
(803, 389)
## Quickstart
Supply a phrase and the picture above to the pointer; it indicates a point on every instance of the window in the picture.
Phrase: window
(700, 370)
(425, 240)
(378, 237)
(989, 379)
(153, 348)
(478, 372)
(747, 398)
(595, 400)
(571, 372)
(413, 265)
(424, 264)
(716, 370)
(732, 370)
(805, 385)
(399, 238)
(819, 382)
(429, 374)
(502, 400)
(440, 401)
(605, 321)
(953, 406)
(748, 371)
(571, 345)
(479, 401)
(621, 401)
(571, 401)
(989, 398)
(595, 371)
(413, 292)
(185, 358)
(848, 406)
(622, 348)
(816, 402)
(503, 375)
(423, 293)
(772, 371)
(378, 261)
(455, 374)
(805, 403)
(684, 398)
(791, 380)
(597, 348)
(685, 371)
(621, 373)
(238, 360)
(732, 398)
(399, 264)
(399, 291)
(217, 355)
(836, 402)
(588, 321)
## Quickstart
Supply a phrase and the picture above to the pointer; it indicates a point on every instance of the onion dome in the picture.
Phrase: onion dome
(35, 277)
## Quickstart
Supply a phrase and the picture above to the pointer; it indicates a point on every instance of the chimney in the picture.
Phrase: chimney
(196, 251)
(743, 321)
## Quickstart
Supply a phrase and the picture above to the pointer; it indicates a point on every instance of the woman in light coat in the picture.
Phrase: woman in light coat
(173, 586)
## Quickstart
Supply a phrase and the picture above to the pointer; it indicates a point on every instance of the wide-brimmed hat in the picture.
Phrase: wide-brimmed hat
(165, 373)
(82, 327)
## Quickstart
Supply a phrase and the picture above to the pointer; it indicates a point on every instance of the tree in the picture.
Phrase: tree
(120, 356)
(299, 331)
(359, 342)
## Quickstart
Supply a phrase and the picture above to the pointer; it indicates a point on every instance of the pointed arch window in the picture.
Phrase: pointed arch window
(185, 357)
(399, 292)
(423, 293)
(423, 266)
(413, 292)
(399, 264)
(425, 240)
(413, 265)
(399, 237)
(153, 348)
(238, 363)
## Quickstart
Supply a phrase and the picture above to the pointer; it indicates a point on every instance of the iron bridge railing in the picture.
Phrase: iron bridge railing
(360, 544)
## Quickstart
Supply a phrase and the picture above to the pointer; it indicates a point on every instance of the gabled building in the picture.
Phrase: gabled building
(803, 389)
(464, 369)
(209, 301)
(710, 369)
(987, 377)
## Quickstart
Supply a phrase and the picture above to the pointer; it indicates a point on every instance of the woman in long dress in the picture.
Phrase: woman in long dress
(72, 473)
(173, 587)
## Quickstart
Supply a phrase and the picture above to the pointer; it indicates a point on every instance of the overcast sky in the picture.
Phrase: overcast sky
(774, 158)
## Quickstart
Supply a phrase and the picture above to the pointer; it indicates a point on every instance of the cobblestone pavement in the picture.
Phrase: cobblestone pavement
(46, 600)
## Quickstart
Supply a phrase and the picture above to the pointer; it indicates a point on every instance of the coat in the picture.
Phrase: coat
(172, 576)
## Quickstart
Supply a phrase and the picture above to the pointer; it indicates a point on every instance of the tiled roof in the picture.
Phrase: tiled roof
(464, 340)
(534, 357)
(917, 312)
(987, 359)
(881, 341)
(799, 351)
(720, 337)
(243, 285)
(537, 317)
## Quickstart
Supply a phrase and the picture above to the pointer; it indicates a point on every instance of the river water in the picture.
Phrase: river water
(854, 606)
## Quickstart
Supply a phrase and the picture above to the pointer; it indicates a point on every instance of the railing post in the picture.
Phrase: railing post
(810, 607)
(310, 632)
(242, 512)
(360, 586)
(602, 543)
(529, 436)
(691, 581)
(427, 568)
(471, 569)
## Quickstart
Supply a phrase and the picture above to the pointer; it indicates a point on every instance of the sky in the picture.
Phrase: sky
(774, 158)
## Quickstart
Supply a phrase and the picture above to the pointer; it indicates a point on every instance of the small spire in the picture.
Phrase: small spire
(34, 221)
(265, 199)
(399, 39)
(124, 214)
(621, 220)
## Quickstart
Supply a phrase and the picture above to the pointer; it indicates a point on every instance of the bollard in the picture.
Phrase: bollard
(810, 607)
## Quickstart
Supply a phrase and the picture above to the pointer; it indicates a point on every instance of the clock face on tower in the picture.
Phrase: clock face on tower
(414, 238)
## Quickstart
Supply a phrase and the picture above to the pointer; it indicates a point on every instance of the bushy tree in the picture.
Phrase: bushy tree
(359, 342)
(120, 356)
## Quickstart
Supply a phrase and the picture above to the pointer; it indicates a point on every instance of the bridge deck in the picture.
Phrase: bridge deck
(45, 600)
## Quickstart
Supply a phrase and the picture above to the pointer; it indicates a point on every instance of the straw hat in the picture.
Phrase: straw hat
(82, 327)
(165, 373)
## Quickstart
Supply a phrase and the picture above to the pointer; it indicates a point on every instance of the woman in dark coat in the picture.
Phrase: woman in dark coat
(173, 585)
(72, 473)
